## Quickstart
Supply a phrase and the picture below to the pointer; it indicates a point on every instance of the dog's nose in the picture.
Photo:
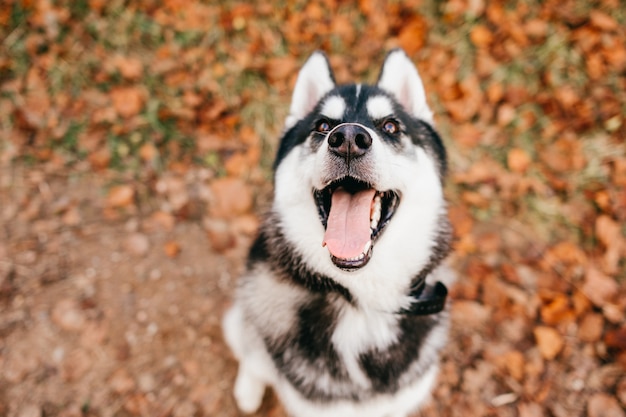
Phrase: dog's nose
(349, 141)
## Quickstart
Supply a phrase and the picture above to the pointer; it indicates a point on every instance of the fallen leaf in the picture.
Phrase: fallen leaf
(469, 314)
(549, 341)
(231, 197)
(604, 405)
(481, 36)
(130, 68)
(616, 338)
(514, 362)
(518, 160)
(536, 28)
(162, 220)
(280, 68)
(506, 114)
(602, 20)
(591, 328)
(127, 101)
(467, 134)
(100, 158)
(530, 410)
(148, 152)
(220, 234)
(412, 36)
(609, 233)
(121, 196)
(598, 287)
(171, 249)
(557, 310)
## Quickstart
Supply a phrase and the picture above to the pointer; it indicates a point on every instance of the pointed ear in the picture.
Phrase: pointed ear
(399, 78)
(314, 81)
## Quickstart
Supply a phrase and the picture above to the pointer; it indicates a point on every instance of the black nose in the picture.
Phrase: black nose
(349, 141)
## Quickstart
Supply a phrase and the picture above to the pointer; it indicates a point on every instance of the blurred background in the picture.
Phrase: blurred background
(136, 142)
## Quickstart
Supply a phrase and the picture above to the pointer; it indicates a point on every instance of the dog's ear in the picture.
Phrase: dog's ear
(314, 81)
(399, 78)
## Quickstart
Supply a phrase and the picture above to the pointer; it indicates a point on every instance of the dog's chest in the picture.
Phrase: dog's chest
(337, 351)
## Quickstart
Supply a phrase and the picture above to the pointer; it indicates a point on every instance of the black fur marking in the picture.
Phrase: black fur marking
(272, 246)
(310, 346)
(384, 368)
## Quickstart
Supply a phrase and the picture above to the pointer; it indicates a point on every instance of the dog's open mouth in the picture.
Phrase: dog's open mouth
(354, 215)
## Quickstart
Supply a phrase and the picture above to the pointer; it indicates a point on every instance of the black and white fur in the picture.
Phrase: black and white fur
(333, 340)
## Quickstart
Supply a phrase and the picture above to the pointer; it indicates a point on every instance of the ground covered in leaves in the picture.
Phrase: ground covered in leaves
(135, 146)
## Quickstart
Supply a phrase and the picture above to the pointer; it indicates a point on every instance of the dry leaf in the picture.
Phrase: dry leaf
(121, 196)
(127, 101)
(481, 36)
(130, 68)
(549, 341)
(148, 152)
(557, 310)
(413, 35)
(609, 233)
(598, 287)
(231, 197)
(604, 405)
(163, 220)
(616, 339)
(602, 20)
(100, 159)
(591, 328)
(171, 249)
(514, 362)
(281, 68)
(469, 314)
(518, 160)
(220, 234)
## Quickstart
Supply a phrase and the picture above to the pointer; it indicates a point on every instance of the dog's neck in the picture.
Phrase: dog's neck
(427, 299)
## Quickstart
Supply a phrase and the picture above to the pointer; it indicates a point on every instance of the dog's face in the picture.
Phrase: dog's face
(358, 183)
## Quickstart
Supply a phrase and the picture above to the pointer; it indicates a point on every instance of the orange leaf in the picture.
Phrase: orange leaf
(481, 36)
(518, 160)
(609, 233)
(130, 68)
(230, 197)
(412, 37)
(549, 341)
(121, 196)
(599, 287)
(171, 249)
(602, 20)
(127, 101)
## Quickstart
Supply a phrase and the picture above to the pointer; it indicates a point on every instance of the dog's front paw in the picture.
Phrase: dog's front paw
(249, 391)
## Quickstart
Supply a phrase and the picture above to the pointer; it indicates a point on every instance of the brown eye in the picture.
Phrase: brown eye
(322, 126)
(391, 126)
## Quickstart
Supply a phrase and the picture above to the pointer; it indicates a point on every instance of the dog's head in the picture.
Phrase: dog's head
(359, 170)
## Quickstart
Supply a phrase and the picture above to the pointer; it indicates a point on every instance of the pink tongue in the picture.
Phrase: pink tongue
(348, 228)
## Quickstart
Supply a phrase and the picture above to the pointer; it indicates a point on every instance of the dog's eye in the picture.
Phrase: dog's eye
(322, 126)
(391, 126)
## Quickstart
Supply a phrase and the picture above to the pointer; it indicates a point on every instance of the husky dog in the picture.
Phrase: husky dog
(339, 310)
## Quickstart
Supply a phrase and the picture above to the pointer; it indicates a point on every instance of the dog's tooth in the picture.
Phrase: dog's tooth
(366, 248)
(375, 212)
